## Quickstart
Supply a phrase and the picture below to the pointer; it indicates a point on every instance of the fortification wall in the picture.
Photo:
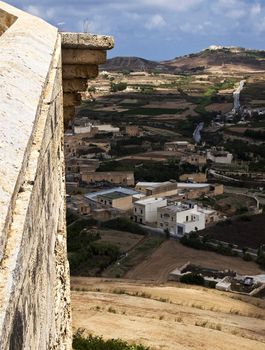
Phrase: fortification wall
(35, 308)
(34, 276)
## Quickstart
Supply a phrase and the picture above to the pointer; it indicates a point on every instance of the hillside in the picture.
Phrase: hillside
(137, 64)
(232, 58)
(167, 316)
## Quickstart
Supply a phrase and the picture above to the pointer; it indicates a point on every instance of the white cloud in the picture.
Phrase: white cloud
(177, 5)
(155, 22)
(235, 13)
(255, 10)
(34, 10)
(193, 28)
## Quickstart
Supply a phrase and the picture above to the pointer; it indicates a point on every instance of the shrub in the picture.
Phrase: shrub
(118, 87)
(98, 343)
(123, 224)
(247, 257)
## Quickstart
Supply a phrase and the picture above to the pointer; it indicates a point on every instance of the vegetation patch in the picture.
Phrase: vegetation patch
(98, 343)
(123, 224)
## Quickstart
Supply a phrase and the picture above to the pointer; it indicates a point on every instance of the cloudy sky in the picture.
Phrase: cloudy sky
(158, 29)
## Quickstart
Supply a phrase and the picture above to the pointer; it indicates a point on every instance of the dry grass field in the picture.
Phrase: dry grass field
(124, 240)
(169, 316)
(172, 254)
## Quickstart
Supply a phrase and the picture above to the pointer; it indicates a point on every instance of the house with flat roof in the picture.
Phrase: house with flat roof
(145, 210)
(116, 177)
(116, 199)
(219, 156)
(92, 197)
(160, 189)
(180, 218)
(178, 146)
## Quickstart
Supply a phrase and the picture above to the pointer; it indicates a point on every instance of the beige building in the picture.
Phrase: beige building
(117, 200)
(178, 146)
(194, 177)
(166, 188)
(132, 130)
(194, 159)
(125, 178)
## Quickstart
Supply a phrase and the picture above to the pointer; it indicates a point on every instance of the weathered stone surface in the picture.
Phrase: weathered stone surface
(87, 41)
(79, 56)
(34, 273)
(71, 99)
(24, 63)
(71, 71)
(74, 85)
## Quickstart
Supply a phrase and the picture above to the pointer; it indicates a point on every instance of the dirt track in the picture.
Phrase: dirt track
(172, 254)
(168, 317)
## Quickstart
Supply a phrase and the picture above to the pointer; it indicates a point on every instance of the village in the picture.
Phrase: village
(104, 184)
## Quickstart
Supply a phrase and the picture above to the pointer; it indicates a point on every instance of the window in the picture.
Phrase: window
(180, 230)
(161, 224)
(187, 218)
(172, 218)
(135, 210)
(141, 211)
(161, 215)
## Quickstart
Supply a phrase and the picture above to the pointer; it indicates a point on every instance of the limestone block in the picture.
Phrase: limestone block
(74, 85)
(71, 71)
(87, 41)
(71, 99)
(79, 56)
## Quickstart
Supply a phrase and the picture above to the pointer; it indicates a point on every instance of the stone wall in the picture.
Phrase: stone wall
(34, 274)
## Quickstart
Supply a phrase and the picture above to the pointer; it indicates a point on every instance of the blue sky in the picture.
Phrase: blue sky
(159, 29)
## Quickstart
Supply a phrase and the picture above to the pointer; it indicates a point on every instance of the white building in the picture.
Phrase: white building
(88, 127)
(221, 157)
(145, 210)
(180, 219)
(82, 129)
(107, 128)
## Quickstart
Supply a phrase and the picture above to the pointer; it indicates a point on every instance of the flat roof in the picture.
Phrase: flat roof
(177, 208)
(115, 195)
(150, 200)
(189, 185)
(93, 195)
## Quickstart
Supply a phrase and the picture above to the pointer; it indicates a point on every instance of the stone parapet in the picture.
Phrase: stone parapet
(81, 55)
(34, 274)
(35, 308)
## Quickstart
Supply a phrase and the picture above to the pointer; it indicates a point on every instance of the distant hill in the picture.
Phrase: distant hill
(134, 64)
(234, 58)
